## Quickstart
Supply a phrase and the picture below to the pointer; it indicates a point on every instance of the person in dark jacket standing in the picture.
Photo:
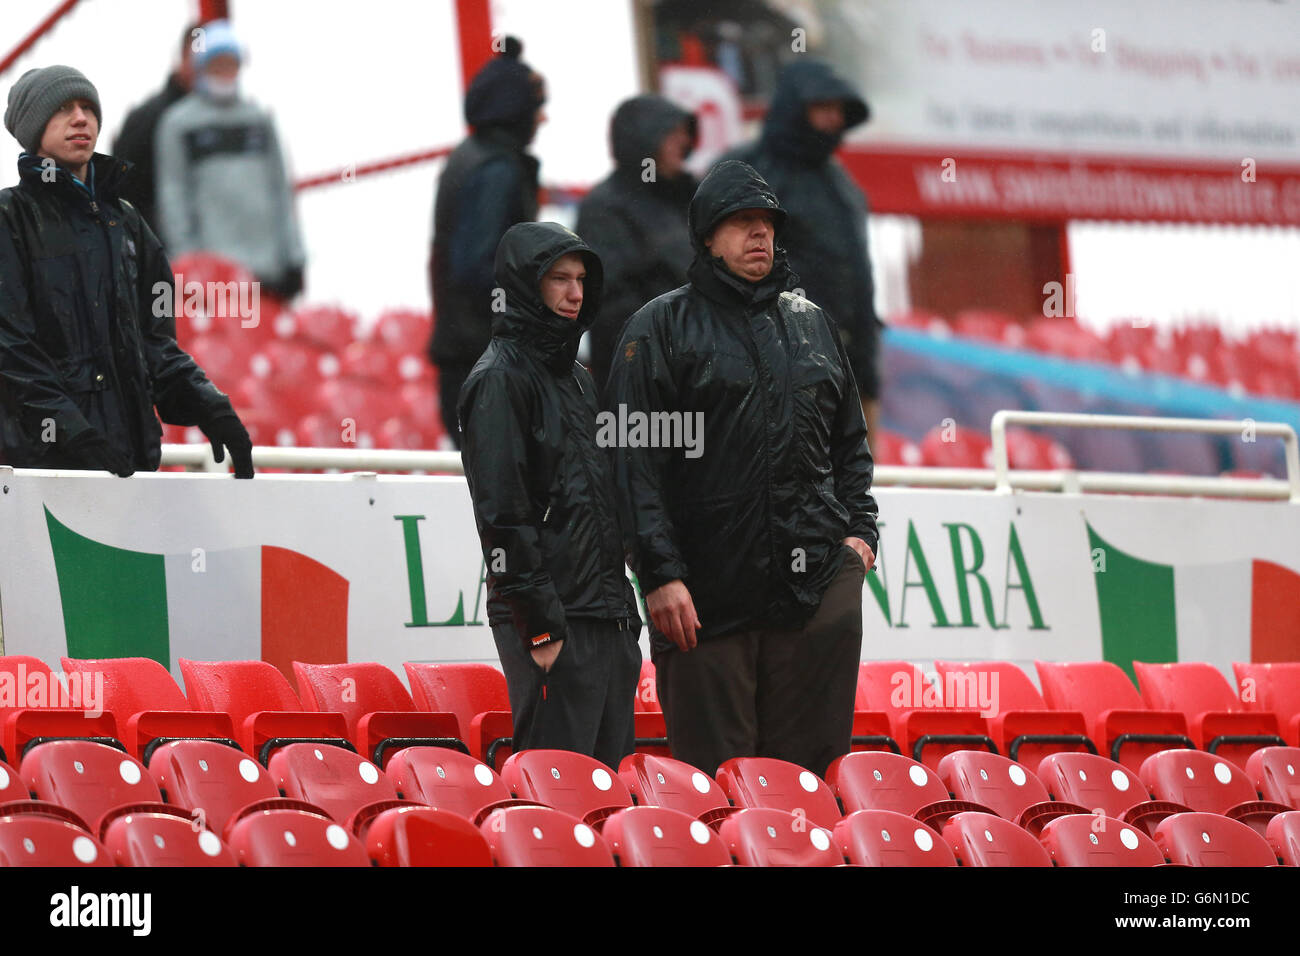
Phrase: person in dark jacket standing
(87, 340)
(635, 218)
(826, 236)
(562, 611)
(135, 141)
(750, 547)
(488, 184)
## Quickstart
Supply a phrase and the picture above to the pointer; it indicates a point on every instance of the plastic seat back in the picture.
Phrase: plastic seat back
(11, 784)
(1085, 839)
(767, 782)
(1092, 781)
(210, 781)
(446, 779)
(647, 691)
(1091, 687)
(352, 690)
(1193, 687)
(160, 839)
(542, 836)
(878, 780)
(238, 688)
(1197, 780)
(886, 838)
(88, 778)
(336, 780)
(765, 836)
(1275, 773)
(44, 841)
(1002, 785)
(982, 839)
(1207, 839)
(1283, 836)
(664, 782)
(293, 838)
(659, 836)
(465, 690)
(132, 685)
(1274, 688)
(572, 782)
(423, 836)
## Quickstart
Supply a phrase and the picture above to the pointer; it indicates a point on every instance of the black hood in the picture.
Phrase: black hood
(506, 92)
(525, 253)
(640, 125)
(730, 187)
(787, 131)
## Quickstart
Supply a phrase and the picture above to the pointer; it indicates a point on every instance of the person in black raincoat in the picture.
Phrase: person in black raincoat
(562, 611)
(750, 545)
(488, 184)
(635, 218)
(87, 331)
(826, 236)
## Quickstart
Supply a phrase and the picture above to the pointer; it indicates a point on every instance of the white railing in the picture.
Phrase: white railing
(1000, 478)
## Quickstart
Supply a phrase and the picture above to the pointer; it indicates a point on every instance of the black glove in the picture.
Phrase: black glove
(229, 431)
(91, 449)
(288, 286)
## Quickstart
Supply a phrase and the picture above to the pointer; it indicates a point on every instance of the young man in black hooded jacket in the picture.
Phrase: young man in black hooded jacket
(750, 545)
(562, 611)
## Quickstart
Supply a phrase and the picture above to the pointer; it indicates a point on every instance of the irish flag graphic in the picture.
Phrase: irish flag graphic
(232, 604)
(1151, 611)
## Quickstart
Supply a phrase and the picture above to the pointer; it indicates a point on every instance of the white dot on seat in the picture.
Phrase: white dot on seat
(248, 770)
(537, 833)
(483, 775)
(4, 778)
(921, 837)
(1083, 776)
(699, 832)
(1017, 775)
(158, 841)
(28, 845)
(699, 782)
(1290, 770)
(289, 838)
(83, 848)
(319, 755)
(819, 839)
(585, 835)
(600, 777)
(1129, 838)
(1119, 780)
(203, 765)
(658, 831)
(988, 836)
(78, 766)
(1205, 837)
(130, 772)
(1191, 774)
(209, 843)
(808, 781)
(369, 772)
(918, 775)
(337, 836)
(1222, 773)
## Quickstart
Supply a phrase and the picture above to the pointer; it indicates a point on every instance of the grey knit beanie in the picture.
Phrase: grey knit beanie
(37, 96)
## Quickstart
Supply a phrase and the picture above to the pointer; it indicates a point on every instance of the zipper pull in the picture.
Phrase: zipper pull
(547, 515)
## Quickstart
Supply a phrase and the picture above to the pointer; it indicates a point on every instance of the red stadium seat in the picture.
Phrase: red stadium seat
(1093, 782)
(261, 704)
(1036, 452)
(886, 781)
(1283, 835)
(886, 838)
(891, 448)
(1274, 688)
(380, 714)
(996, 327)
(46, 708)
(1205, 783)
(765, 836)
(931, 323)
(572, 782)
(664, 782)
(1066, 338)
(44, 841)
(476, 694)
(211, 781)
(648, 716)
(326, 327)
(779, 784)
(1023, 727)
(423, 836)
(1121, 724)
(11, 784)
(292, 838)
(956, 447)
(542, 836)
(448, 780)
(1002, 785)
(88, 778)
(924, 728)
(659, 836)
(338, 781)
(1217, 718)
(1275, 773)
(647, 691)
(982, 839)
(153, 838)
(147, 705)
(1207, 839)
(1087, 839)
(221, 314)
(405, 330)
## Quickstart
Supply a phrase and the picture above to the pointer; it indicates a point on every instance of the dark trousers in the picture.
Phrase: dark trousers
(784, 693)
(584, 703)
(450, 379)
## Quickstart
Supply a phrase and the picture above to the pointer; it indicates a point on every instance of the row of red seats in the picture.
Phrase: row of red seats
(955, 446)
(1266, 362)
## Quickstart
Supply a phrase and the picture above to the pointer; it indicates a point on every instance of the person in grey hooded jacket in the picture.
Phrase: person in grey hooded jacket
(222, 185)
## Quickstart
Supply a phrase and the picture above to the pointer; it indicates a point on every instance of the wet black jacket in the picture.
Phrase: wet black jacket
(638, 228)
(80, 343)
(135, 144)
(826, 237)
(754, 525)
(543, 491)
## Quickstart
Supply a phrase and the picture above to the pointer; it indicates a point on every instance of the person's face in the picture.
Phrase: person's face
(71, 134)
(223, 66)
(672, 152)
(745, 241)
(562, 285)
(826, 116)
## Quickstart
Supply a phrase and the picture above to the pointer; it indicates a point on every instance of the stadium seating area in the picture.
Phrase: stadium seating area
(351, 770)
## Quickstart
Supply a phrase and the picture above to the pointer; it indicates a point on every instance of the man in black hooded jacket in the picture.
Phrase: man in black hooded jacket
(636, 217)
(826, 236)
(488, 184)
(562, 611)
(751, 545)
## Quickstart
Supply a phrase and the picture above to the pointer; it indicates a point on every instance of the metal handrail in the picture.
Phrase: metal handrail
(1001, 462)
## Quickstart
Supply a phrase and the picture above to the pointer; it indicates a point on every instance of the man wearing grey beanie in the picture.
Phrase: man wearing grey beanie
(87, 347)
